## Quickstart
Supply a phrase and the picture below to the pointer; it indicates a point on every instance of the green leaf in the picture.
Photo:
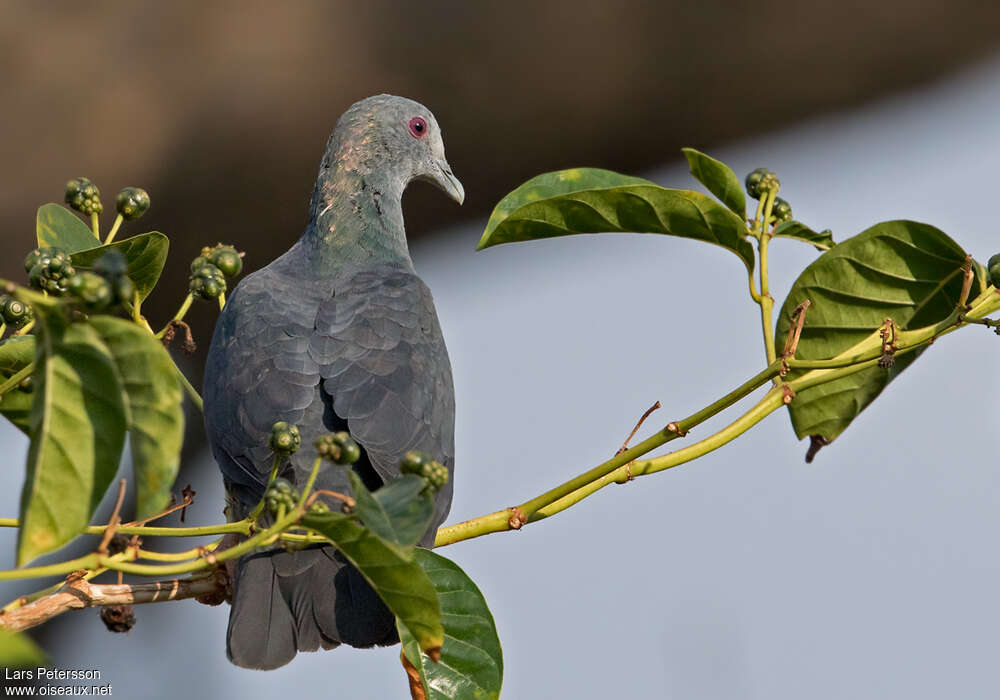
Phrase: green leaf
(471, 664)
(400, 511)
(17, 650)
(720, 180)
(152, 398)
(58, 227)
(903, 270)
(801, 232)
(16, 353)
(391, 570)
(588, 200)
(146, 254)
(77, 430)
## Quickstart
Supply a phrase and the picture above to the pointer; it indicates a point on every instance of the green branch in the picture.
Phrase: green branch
(766, 301)
(242, 527)
(17, 378)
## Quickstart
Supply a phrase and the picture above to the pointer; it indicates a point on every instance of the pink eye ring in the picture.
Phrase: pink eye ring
(418, 127)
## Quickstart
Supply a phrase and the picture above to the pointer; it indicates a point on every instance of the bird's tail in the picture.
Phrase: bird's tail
(286, 602)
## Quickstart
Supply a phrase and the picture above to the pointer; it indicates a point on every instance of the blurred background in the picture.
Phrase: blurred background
(871, 573)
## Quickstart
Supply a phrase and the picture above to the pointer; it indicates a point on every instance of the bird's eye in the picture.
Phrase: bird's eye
(418, 127)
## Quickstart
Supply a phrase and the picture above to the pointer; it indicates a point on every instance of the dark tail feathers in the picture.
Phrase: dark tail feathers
(285, 602)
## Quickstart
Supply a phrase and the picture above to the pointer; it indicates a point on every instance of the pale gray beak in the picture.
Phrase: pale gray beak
(446, 180)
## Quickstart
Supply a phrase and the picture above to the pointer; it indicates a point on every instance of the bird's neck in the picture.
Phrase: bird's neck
(356, 215)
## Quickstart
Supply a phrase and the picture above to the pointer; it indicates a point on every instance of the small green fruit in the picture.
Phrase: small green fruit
(131, 203)
(207, 282)
(91, 289)
(83, 195)
(15, 312)
(760, 182)
(436, 474)
(781, 211)
(199, 263)
(227, 259)
(285, 438)
(338, 447)
(413, 462)
(280, 494)
(993, 266)
(50, 269)
(111, 265)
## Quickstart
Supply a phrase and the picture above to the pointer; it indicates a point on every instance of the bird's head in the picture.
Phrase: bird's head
(402, 136)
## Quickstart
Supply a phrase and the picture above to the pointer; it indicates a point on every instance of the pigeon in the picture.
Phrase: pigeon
(339, 333)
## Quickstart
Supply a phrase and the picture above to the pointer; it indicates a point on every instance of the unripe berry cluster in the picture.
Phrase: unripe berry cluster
(83, 195)
(285, 439)
(338, 447)
(210, 270)
(280, 494)
(49, 269)
(422, 465)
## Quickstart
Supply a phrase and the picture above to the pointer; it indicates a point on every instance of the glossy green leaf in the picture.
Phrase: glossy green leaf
(903, 270)
(391, 570)
(146, 255)
(588, 200)
(18, 651)
(801, 232)
(16, 353)
(77, 430)
(720, 180)
(152, 398)
(471, 663)
(400, 511)
(58, 227)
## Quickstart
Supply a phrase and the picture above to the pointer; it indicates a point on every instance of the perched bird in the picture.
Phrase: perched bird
(338, 333)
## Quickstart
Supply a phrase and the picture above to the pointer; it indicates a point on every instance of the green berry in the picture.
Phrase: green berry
(199, 263)
(318, 508)
(413, 462)
(207, 282)
(338, 447)
(436, 474)
(753, 182)
(83, 195)
(285, 438)
(111, 265)
(33, 258)
(123, 290)
(994, 269)
(422, 464)
(50, 269)
(280, 493)
(781, 210)
(15, 312)
(227, 259)
(131, 203)
(760, 182)
(93, 290)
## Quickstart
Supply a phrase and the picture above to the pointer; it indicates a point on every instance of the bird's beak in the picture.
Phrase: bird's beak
(446, 180)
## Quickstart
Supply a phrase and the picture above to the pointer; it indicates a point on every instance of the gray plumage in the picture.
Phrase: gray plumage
(338, 333)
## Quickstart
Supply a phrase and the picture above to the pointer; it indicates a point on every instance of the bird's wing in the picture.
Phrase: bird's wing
(385, 368)
(259, 371)
(368, 346)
